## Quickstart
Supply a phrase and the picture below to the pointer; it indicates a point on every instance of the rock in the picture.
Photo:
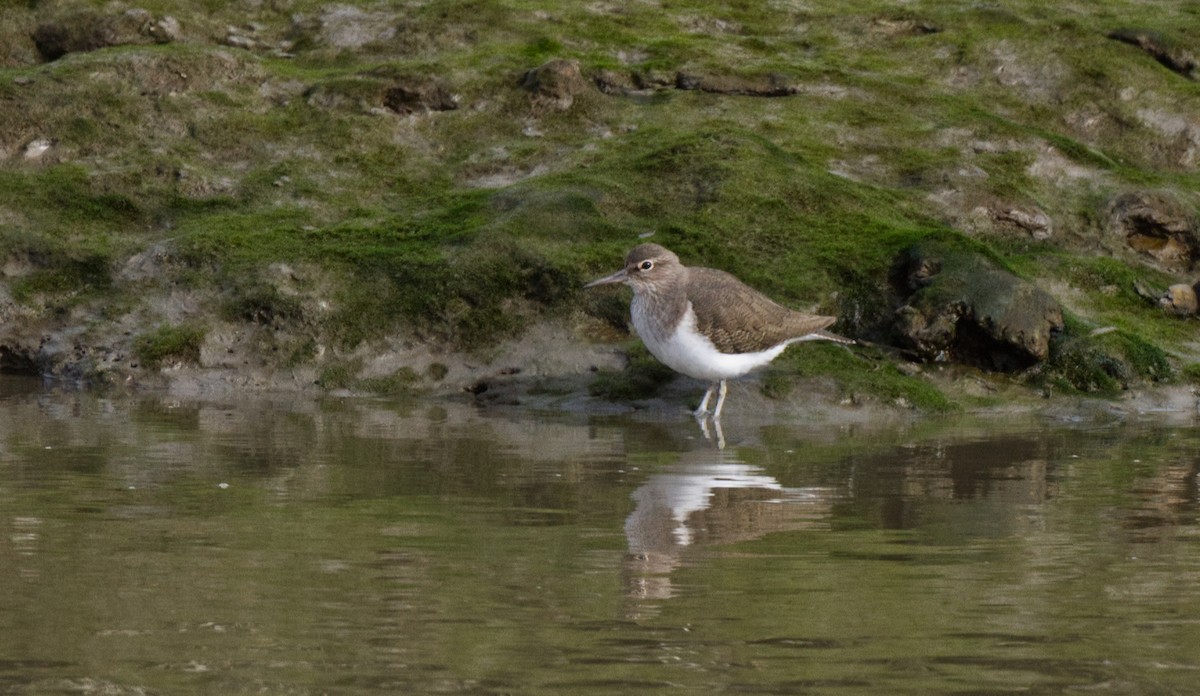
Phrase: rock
(613, 82)
(239, 38)
(376, 90)
(960, 306)
(900, 27)
(1035, 222)
(773, 85)
(654, 79)
(419, 96)
(1156, 226)
(89, 31)
(555, 84)
(37, 147)
(345, 27)
(1180, 299)
(1177, 141)
(1165, 51)
(165, 30)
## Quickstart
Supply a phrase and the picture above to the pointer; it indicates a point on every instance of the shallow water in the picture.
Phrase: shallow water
(292, 547)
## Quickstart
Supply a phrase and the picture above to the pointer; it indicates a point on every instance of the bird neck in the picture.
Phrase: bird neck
(660, 307)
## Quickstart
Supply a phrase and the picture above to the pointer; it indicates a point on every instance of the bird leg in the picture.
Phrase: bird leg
(720, 402)
(720, 441)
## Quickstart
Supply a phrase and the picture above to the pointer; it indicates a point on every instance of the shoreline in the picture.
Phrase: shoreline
(814, 401)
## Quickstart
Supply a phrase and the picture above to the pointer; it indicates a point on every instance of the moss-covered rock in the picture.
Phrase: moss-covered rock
(962, 306)
(1104, 362)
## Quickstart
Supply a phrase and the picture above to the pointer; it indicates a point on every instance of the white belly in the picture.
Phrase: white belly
(692, 354)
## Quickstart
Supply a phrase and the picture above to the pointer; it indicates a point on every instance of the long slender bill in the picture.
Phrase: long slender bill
(618, 277)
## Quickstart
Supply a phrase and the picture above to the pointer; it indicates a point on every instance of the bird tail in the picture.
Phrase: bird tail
(823, 335)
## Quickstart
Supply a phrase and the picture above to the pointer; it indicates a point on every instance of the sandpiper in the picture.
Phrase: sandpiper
(707, 324)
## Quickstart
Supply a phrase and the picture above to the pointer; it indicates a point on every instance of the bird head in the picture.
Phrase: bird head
(646, 266)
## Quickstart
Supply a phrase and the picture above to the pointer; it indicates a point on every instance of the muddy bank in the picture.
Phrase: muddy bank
(305, 197)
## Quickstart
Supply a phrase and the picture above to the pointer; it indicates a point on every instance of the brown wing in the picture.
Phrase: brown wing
(739, 319)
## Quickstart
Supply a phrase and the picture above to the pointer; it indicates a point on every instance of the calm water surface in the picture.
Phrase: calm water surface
(365, 547)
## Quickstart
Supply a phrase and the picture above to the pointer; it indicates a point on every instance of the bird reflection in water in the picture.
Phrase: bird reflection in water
(708, 498)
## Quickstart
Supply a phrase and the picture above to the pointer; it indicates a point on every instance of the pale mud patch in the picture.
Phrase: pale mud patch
(1035, 78)
(1052, 166)
(549, 350)
(232, 359)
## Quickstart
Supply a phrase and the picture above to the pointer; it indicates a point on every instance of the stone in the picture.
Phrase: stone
(902, 27)
(772, 85)
(654, 79)
(614, 82)
(555, 84)
(347, 26)
(89, 30)
(165, 30)
(37, 147)
(419, 96)
(1157, 226)
(1180, 299)
(961, 306)
(1037, 223)
(381, 91)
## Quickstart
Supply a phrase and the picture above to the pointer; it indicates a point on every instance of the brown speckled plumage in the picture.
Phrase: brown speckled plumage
(739, 319)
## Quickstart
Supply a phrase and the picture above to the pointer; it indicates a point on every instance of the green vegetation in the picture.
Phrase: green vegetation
(860, 373)
(1191, 373)
(344, 375)
(168, 344)
(461, 228)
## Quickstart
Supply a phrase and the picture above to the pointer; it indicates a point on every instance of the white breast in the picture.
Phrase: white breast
(688, 352)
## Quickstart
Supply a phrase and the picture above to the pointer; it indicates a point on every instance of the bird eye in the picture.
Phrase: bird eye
(647, 265)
